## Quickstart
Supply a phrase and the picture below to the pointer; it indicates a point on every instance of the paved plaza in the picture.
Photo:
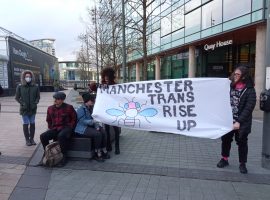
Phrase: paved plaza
(151, 165)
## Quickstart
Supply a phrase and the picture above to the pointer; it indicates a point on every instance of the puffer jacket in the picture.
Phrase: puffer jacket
(246, 106)
(27, 95)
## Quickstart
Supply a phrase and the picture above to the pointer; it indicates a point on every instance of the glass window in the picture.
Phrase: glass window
(192, 4)
(166, 25)
(257, 4)
(165, 71)
(178, 18)
(233, 9)
(212, 14)
(156, 39)
(193, 22)
(151, 71)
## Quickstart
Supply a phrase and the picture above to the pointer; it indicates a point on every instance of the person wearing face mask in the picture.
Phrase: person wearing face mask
(243, 101)
(88, 127)
(28, 95)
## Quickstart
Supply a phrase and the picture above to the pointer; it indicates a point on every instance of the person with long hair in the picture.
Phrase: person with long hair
(243, 101)
(108, 78)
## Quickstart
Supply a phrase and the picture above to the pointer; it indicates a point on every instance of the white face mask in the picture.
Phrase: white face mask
(28, 79)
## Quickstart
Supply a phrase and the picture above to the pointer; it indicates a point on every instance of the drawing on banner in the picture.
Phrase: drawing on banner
(130, 112)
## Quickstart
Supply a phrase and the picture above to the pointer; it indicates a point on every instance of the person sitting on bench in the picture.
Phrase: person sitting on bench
(88, 127)
(61, 119)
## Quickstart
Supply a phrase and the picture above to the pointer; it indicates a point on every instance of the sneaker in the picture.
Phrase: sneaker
(98, 157)
(32, 141)
(243, 168)
(28, 143)
(222, 163)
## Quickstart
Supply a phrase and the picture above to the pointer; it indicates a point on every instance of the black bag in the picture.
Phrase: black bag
(265, 101)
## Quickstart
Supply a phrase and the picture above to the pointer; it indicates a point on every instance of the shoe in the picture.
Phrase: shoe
(98, 157)
(105, 155)
(243, 168)
(28, 143)
(117, 151)
(32, 141)
(222, 163)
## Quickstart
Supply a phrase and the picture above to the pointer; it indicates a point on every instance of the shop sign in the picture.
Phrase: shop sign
(217, 44)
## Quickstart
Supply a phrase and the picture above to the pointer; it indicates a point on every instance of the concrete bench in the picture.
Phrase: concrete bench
(80, 147)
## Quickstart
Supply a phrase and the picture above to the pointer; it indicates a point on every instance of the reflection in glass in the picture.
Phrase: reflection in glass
(233, 9)
(178, 18)
(212, 14)
(193, 22)
(156, 39)
(166, 25)
(257, 4)
(192, 4)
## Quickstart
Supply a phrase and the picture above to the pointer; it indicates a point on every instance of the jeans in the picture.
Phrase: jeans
(28, 119)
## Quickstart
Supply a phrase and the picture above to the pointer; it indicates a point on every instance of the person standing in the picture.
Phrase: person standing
(243, 101)
(108, 78)
(28, 95)
(61, 119)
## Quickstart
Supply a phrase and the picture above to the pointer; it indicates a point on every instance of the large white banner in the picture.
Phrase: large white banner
(198, 107)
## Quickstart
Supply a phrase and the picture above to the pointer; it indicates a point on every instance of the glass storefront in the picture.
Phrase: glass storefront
(222, 61)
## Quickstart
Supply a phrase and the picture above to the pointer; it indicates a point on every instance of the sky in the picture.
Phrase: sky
(39, 19)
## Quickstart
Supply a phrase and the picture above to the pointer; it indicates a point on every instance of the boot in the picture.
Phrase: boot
(32, 134)
(26, 135)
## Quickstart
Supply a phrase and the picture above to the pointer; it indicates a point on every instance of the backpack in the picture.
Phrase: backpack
(52, 155)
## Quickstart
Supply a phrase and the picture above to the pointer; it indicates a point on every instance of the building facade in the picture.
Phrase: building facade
(18, 54)
(75, 72)
(199, 38)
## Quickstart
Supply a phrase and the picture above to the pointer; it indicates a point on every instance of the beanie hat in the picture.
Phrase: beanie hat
(88, 97)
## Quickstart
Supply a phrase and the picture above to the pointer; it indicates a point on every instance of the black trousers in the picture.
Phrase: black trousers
(98, 136)
(242, 143)
(117, 133)
(62, 136)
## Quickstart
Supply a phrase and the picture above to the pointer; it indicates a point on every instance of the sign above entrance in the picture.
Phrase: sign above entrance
(217, 44)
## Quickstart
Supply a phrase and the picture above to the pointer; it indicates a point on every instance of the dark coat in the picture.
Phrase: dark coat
(27, 95)
(245, 108)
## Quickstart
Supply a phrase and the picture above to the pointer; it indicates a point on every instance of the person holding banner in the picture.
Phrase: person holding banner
(243, 101)
(108, 78)
(88, 127)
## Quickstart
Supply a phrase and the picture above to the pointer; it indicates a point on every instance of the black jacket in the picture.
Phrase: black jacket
(245, 108)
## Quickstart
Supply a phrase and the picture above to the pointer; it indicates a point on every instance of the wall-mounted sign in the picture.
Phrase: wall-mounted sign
(217, 44)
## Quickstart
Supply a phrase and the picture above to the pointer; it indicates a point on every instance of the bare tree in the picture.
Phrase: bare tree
(142, 12)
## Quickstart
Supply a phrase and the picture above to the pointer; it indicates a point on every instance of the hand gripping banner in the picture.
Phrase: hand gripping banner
(198, 107)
